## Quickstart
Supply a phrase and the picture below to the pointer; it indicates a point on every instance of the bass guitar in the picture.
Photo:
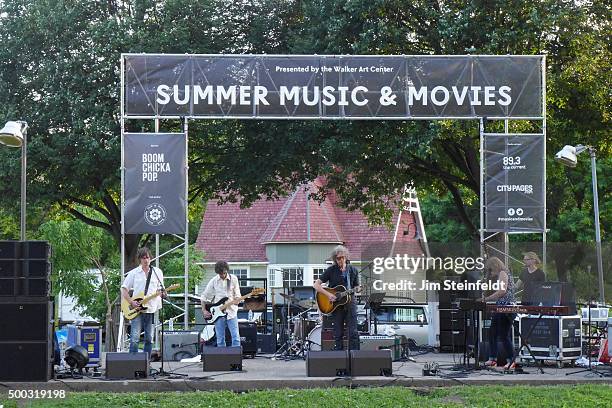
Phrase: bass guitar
(217, 310)
(130, 312)
(343, 296)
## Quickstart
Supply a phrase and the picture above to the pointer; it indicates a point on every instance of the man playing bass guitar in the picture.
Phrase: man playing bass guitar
(341, 273)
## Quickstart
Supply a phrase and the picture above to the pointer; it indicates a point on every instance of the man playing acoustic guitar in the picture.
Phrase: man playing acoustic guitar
(344, 275)
(145, 280)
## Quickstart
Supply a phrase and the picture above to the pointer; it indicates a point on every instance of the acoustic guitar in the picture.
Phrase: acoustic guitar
(343, 296)
(217, 310)
(130, 312)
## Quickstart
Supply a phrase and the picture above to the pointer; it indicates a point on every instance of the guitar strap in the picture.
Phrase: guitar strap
(148, 280)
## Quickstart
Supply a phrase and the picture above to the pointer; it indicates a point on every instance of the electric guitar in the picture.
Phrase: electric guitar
(343, 296)
(130, 312)
(217, 310)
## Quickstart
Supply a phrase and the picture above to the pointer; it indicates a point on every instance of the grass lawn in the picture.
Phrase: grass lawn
(590, 395)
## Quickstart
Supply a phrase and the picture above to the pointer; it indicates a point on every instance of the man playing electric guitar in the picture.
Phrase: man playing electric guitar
(221, 286)
(147, 280)
(342, 274)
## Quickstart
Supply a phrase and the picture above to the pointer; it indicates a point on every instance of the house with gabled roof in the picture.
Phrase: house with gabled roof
(289, 241)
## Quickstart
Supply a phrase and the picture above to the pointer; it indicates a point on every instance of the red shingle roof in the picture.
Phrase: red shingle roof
(239, 235)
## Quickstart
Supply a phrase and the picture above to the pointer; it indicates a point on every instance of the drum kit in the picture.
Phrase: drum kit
(303, 330)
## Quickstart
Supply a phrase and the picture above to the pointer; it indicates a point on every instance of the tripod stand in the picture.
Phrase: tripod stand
(162, 372)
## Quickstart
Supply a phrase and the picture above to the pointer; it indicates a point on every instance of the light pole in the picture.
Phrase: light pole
(13, 134)
(568, 156)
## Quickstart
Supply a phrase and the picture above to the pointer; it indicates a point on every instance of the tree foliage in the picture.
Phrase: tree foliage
(59, 70)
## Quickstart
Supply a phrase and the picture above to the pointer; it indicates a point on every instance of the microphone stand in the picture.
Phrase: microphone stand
(162, 372)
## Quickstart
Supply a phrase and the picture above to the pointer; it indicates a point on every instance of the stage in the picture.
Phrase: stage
(263, 372)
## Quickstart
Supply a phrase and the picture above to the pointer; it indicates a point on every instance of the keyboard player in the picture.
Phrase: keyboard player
(501, 323)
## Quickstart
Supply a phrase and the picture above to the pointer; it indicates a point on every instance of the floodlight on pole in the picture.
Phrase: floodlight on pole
(13, 134)
(568, 156)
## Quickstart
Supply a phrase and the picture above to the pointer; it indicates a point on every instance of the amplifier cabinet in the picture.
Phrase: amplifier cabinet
(180, 344)
(374, 342)
(555, 338)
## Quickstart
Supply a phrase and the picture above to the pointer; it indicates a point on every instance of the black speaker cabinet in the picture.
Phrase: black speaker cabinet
(10, 287)
(10, 268)
(327, 363)
(452, 340)
(26, 321)
(222, 358)
(266, 343)
(35, 250)
(25, 360)
(10, 250)
(121, 366)
(371, 362)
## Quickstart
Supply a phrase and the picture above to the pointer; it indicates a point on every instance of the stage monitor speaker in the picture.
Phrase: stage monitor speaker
(222, 358)
(26, 360)
(371, 362)
(10, 250)
(26, 321)
(327, 364)
(127, 366)
(180, 344)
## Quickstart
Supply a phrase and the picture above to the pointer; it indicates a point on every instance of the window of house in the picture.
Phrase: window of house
(316, 273)
(293, 277)
(272, 278)
(241, 273)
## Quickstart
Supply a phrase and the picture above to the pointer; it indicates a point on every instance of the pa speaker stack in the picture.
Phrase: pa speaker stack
(27, 312)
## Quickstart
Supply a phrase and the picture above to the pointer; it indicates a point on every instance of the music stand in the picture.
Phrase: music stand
(373, 303)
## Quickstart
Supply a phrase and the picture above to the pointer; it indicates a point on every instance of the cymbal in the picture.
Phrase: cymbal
(307, 303)
(288, 297)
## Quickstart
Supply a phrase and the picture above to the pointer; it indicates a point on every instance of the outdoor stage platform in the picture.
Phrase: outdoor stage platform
(264, 373)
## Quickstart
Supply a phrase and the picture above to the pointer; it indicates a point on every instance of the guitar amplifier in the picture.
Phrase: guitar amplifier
(327, 364)
(222, 358)
(248, 338)
(180, 344)
(390, 343)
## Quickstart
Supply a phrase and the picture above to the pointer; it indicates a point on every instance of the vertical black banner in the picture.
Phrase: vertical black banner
(514, 182)
(155, 171)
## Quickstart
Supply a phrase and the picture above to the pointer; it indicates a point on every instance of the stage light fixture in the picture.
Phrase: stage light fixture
(568, 156)
(76, 357)
(13, 134)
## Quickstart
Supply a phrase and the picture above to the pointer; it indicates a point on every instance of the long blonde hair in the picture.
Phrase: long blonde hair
(494, 264)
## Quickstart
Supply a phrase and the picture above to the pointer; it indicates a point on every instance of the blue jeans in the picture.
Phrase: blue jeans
(143, 320)
(232, 325)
